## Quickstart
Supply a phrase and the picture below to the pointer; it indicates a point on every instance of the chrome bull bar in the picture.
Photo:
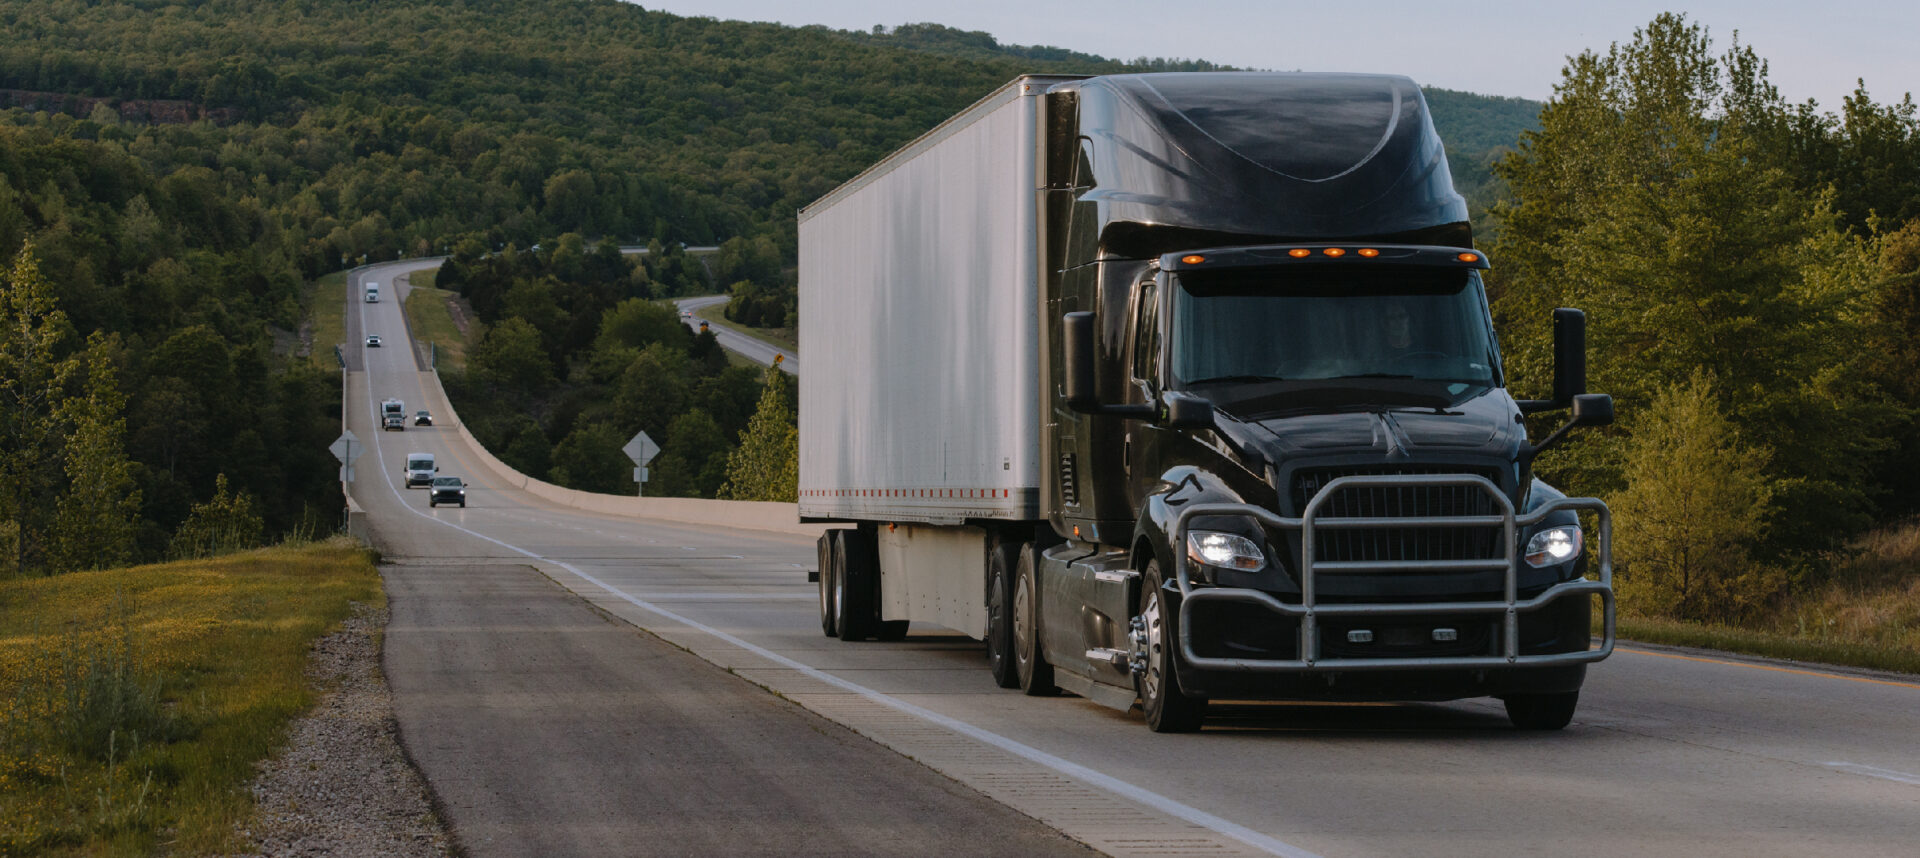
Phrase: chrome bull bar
(1310, 612)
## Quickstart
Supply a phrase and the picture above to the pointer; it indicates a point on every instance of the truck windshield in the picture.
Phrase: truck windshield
(1320, 325)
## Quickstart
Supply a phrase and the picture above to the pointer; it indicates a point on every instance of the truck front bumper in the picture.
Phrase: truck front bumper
(1541, 640)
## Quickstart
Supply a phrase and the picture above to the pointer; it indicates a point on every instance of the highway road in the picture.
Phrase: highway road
(745, 346)
(1672, 752)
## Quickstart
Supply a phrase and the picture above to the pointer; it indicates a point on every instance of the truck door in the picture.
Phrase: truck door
(1140, 447)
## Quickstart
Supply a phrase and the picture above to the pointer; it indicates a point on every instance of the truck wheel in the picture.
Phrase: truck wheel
(856, 580)
(1168, 710)
(824, 549)
(891, 630)
(1030, 661)
(1541, 711)
(1002, 560)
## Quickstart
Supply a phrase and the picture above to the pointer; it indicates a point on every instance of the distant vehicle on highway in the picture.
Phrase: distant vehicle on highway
(373, 292)
(420, 469)
(447, 490)
(395, 423)
(393, 415)
(373, 341)
(422, 418)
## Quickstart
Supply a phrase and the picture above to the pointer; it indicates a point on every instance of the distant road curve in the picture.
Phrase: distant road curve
(758, 351)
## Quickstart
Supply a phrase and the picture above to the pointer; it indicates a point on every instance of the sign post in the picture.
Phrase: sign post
(641, 450)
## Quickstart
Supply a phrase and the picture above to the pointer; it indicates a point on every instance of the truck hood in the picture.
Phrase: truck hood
(1481, 428)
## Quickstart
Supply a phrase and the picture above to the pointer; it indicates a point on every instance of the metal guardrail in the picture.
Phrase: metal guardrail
(1310, 611)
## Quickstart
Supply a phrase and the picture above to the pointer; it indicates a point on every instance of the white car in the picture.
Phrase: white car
(373, 341)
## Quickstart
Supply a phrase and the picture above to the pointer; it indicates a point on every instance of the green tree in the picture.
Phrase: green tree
(589, 459)
(225, 523)
(510, 356)
(1697, 503)
(97, 517)
(766, 467)
(1648, 198)
(33, 333)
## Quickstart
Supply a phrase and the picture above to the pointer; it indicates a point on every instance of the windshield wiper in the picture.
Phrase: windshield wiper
(1370, 375)
(1236, 379)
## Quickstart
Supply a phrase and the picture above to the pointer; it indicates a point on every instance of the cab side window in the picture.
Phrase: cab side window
(1146, 338)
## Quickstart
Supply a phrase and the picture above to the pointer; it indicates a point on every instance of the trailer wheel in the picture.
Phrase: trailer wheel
(1030, 661)
(1002, 560)
(891, 630)
(856, 581)
(1168, 710)
(1541, 711)
(824, 549)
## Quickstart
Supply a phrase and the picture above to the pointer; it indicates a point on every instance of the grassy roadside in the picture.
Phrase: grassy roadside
(327, 306)
(134, 703)
(432, 322)
(786, 338)
(1866, 615)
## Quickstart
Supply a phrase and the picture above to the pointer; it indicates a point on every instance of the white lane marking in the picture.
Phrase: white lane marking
(1875, 772)
(1099, 780)
(730, 597)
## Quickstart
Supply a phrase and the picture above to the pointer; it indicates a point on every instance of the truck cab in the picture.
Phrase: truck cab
(373, 292)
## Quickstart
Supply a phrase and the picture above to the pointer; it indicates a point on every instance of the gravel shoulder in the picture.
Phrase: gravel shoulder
(343, 786)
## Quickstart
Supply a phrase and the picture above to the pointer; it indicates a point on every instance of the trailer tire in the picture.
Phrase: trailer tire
(1002, 561)
(1168, 709)
(1541, 711)
(856, 576)
(824, 548)
(891, 630)
(1036, 675)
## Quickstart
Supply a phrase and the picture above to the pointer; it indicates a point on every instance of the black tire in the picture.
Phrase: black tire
(890, 630)
(463, 504)
(856, 570)
(431, 504)
(1168, 709)
(1002, 560)
(828, 610)
(1030, 660)
(1541, 711)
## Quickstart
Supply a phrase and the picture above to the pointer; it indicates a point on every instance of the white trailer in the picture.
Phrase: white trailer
(924, 273)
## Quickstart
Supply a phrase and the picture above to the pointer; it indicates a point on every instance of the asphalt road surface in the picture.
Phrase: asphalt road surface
(1672, 752)
(754, 350)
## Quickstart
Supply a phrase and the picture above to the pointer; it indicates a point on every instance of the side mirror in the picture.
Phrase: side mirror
(1569, 362)
(1078, 361)
(1186, 411)
(1592, 409)
(1589, 409)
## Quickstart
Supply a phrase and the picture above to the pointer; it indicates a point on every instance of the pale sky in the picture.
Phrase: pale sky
(1814, 49)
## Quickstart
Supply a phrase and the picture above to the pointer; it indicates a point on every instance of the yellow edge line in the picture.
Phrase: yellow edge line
(1797, 670)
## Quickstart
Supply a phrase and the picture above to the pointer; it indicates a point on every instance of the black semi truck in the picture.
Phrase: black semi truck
(1183, 387)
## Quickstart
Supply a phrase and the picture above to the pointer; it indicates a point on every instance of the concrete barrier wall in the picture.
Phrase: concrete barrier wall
(751, 515)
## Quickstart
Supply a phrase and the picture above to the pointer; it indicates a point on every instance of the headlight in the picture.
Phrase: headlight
(1553, 546)
(1224, 550)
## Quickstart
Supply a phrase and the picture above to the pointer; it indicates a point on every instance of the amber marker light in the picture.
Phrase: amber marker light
(1335, 251)
(1468, 257)
(1368, 252)
(1192, 260)
(1299, 252)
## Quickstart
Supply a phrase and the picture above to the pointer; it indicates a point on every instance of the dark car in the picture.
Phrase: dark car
(373, 341)
(447, 490)
(422, 418)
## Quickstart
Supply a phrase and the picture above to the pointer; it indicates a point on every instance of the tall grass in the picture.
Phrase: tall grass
(1865, 614)
(135, 703)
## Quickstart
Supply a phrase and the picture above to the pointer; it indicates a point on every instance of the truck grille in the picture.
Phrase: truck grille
(1423, 543)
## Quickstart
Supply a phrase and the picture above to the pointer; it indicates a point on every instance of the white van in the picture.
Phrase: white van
(373, 292)
(420, 469)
